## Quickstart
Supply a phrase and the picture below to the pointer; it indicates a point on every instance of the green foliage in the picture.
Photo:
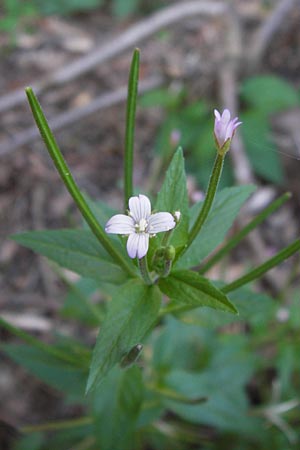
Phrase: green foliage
(261, 96)
(79, 304)
(14, 12)
(260, 147)
(192, 290)
(166, 370)
(173, 197)
(116, 408)
(123, 8)
(227, 206)
(62, 7)
(17, 11)
(268, 94)
(76, 250)
(264, 96)
(66, 377)
(131, 313)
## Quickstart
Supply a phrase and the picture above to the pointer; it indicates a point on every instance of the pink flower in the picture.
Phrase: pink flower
(139, 225)
(224, 127)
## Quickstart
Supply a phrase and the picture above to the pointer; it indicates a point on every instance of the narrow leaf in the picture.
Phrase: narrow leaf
(263, 268)
(131, 313)
(191, 289)
(130, 125)
(70, 183)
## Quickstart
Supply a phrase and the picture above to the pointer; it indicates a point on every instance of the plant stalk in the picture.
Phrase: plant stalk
(143, 266)
(211, 192)
(263, 268)
(70, 183)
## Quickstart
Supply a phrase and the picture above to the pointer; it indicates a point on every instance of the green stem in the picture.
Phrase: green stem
(211, 192)
(263, 268)
(143, 266)
(167, 268)
(61, 425)
(130, 125)
(237, 238)
(70, 183)
(47, 349)
(166, 238)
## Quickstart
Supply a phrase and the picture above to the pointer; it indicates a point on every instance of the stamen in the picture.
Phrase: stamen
(141, 227)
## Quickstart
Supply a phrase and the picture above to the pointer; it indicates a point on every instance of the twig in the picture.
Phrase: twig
(130, 38)
(268, 29)
(75, 115)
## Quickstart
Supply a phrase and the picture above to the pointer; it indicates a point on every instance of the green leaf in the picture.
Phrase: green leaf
(198, 363)
(131, 313)
(173, 197)
(130, 125)
(70, 183)
(226, 207)
(79, 304)
(260, 147)
(254, 308)
(56, 373)
(224, 388)
(102, 211)
(192, 289)
(268, 94)
(76, 250)
(116, 408)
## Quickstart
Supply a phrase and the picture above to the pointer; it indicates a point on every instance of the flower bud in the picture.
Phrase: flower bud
(224, 130)
(177, 216)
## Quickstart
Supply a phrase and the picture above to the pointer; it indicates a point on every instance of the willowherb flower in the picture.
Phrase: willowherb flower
(139, 225)
(224, 127)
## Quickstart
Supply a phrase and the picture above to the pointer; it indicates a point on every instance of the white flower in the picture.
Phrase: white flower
(139, 225)
(224, 127)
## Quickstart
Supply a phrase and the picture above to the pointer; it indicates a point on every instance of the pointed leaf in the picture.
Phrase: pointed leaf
(173, 197)
(131, 313)
(226, 207)
(76, 250)
(190, 288)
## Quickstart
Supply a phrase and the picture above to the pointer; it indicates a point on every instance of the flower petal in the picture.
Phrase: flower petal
(217, 114)
(120, 224)
(162, 221)
(137, 245)
(225, 116)
(132, 244)
(139, 207)
(143, 245)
